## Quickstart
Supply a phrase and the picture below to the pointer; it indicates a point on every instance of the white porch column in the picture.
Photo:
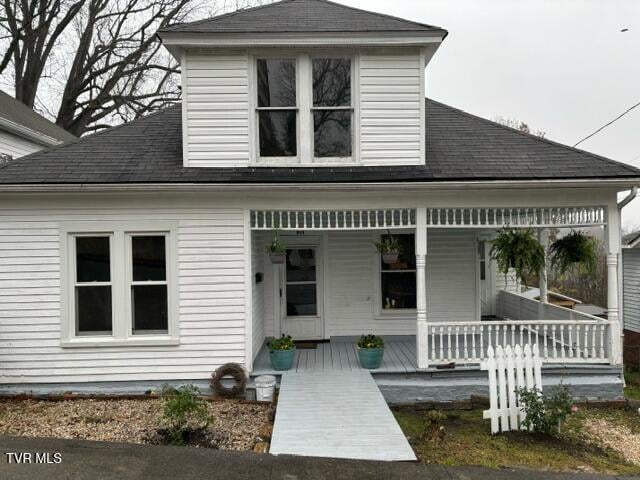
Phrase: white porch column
(422, 336)
(612, 244)
(543, 238)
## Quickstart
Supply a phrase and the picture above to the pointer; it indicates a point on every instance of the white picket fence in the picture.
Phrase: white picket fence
(510, 369)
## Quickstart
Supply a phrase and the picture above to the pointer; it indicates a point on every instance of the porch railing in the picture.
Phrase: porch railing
(564, 336)
(560, 341)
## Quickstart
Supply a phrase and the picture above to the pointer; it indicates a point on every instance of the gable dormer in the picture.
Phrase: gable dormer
(303, 83)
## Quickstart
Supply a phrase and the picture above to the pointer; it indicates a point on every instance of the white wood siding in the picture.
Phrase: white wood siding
(391, 113)
(210, 288)
(16, 146)
(631, 288)
(217, 110)
(350, 290)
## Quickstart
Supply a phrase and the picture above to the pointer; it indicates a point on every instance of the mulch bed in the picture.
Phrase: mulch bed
(237, 425)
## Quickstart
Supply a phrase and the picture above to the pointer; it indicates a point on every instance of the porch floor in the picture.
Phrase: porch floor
(339, 416)
(340, 354)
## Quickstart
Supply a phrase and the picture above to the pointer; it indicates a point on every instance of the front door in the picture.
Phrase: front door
(302, 293)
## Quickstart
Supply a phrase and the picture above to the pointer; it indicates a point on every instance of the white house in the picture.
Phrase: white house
(137, 255)
(23, 131)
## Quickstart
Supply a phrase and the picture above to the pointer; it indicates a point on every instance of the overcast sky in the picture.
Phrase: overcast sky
(562, 66)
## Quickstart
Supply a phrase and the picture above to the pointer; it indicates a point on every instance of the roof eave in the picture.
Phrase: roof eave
(610, 183)
(175, 41)
(28, 133)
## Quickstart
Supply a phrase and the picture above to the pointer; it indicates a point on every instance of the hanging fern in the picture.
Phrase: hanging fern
(576, 248)
(517, 249)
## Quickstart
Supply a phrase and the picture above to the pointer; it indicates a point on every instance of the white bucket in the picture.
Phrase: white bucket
(265, 386)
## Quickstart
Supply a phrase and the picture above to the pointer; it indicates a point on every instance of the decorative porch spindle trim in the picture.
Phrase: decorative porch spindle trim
(333, 219)
(515, 217)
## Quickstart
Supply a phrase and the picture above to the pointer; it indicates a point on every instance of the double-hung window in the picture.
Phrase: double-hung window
(119, 283)
(277, 112)
(304, 109)
(331, 108)
(93, 272)
(398, 279)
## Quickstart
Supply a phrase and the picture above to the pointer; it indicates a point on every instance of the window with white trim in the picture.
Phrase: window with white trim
(92, 284)
(304, 109)
(398, 279)
(119, 283)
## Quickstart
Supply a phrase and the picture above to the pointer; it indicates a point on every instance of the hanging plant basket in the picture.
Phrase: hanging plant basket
(390, 257)
(517, 250)
(277, 250)
(575, 249)
(278, 258)
(389, 248)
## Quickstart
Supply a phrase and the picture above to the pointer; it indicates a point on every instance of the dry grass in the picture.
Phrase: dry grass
(235, 424)
(467, 440)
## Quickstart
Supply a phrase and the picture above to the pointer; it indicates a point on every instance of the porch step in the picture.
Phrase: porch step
(339, 414)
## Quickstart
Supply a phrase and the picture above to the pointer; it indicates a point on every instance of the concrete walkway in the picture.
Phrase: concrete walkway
(336, 414)
(83, 460)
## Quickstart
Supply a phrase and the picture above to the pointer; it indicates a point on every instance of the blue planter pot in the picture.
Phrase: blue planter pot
(282, 359)
(370, 357)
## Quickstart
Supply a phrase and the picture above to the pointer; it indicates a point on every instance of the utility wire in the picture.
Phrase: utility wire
(607, 124)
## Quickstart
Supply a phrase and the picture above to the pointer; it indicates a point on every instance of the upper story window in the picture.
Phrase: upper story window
(304, 108)
(332, 107)
(277, 112)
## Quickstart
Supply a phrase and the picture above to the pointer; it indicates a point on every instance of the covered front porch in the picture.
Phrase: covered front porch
(457, 313)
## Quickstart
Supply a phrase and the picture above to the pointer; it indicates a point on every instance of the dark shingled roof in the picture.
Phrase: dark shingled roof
(630, 238)
(307, 16)
(17, 112)
(460, 147)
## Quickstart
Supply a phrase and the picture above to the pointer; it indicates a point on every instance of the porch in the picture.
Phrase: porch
(447, 325)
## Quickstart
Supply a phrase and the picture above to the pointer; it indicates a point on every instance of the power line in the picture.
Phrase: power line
(607, 124)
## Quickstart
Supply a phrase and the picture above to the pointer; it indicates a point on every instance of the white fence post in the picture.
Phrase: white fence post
(509, 370)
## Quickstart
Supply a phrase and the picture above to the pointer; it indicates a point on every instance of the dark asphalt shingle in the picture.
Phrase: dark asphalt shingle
(301, 16)
(460, 147)
(17, 112)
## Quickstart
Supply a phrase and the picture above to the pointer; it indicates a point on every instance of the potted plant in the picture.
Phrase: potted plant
(277, 249)
(281, 352)
(389, 247)
(518, 250)
(370, 351)
(575, 248)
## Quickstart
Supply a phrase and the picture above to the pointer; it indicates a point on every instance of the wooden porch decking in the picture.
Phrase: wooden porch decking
(340, 354)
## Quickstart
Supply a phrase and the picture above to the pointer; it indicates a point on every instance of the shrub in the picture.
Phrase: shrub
(370, 341)
(183, 410)
(433, 425)
(283, 343)
(545, 414)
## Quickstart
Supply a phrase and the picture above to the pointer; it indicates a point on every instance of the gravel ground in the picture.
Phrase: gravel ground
(235, 424)
(617, 437)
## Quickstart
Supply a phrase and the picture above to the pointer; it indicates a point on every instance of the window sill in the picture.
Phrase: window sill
(142, 341)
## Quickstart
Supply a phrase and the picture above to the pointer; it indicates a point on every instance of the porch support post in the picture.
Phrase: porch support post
(422, 335)
(613, 294)
(543, 238)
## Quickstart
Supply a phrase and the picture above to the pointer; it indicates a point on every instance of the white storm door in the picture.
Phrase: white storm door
(302, 294)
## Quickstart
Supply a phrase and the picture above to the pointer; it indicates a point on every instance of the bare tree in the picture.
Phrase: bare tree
(519, 125)
(101, 57)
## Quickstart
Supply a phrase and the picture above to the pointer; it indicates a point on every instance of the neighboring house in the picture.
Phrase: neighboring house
(631, 296)
(23, 131)
(137, 255)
